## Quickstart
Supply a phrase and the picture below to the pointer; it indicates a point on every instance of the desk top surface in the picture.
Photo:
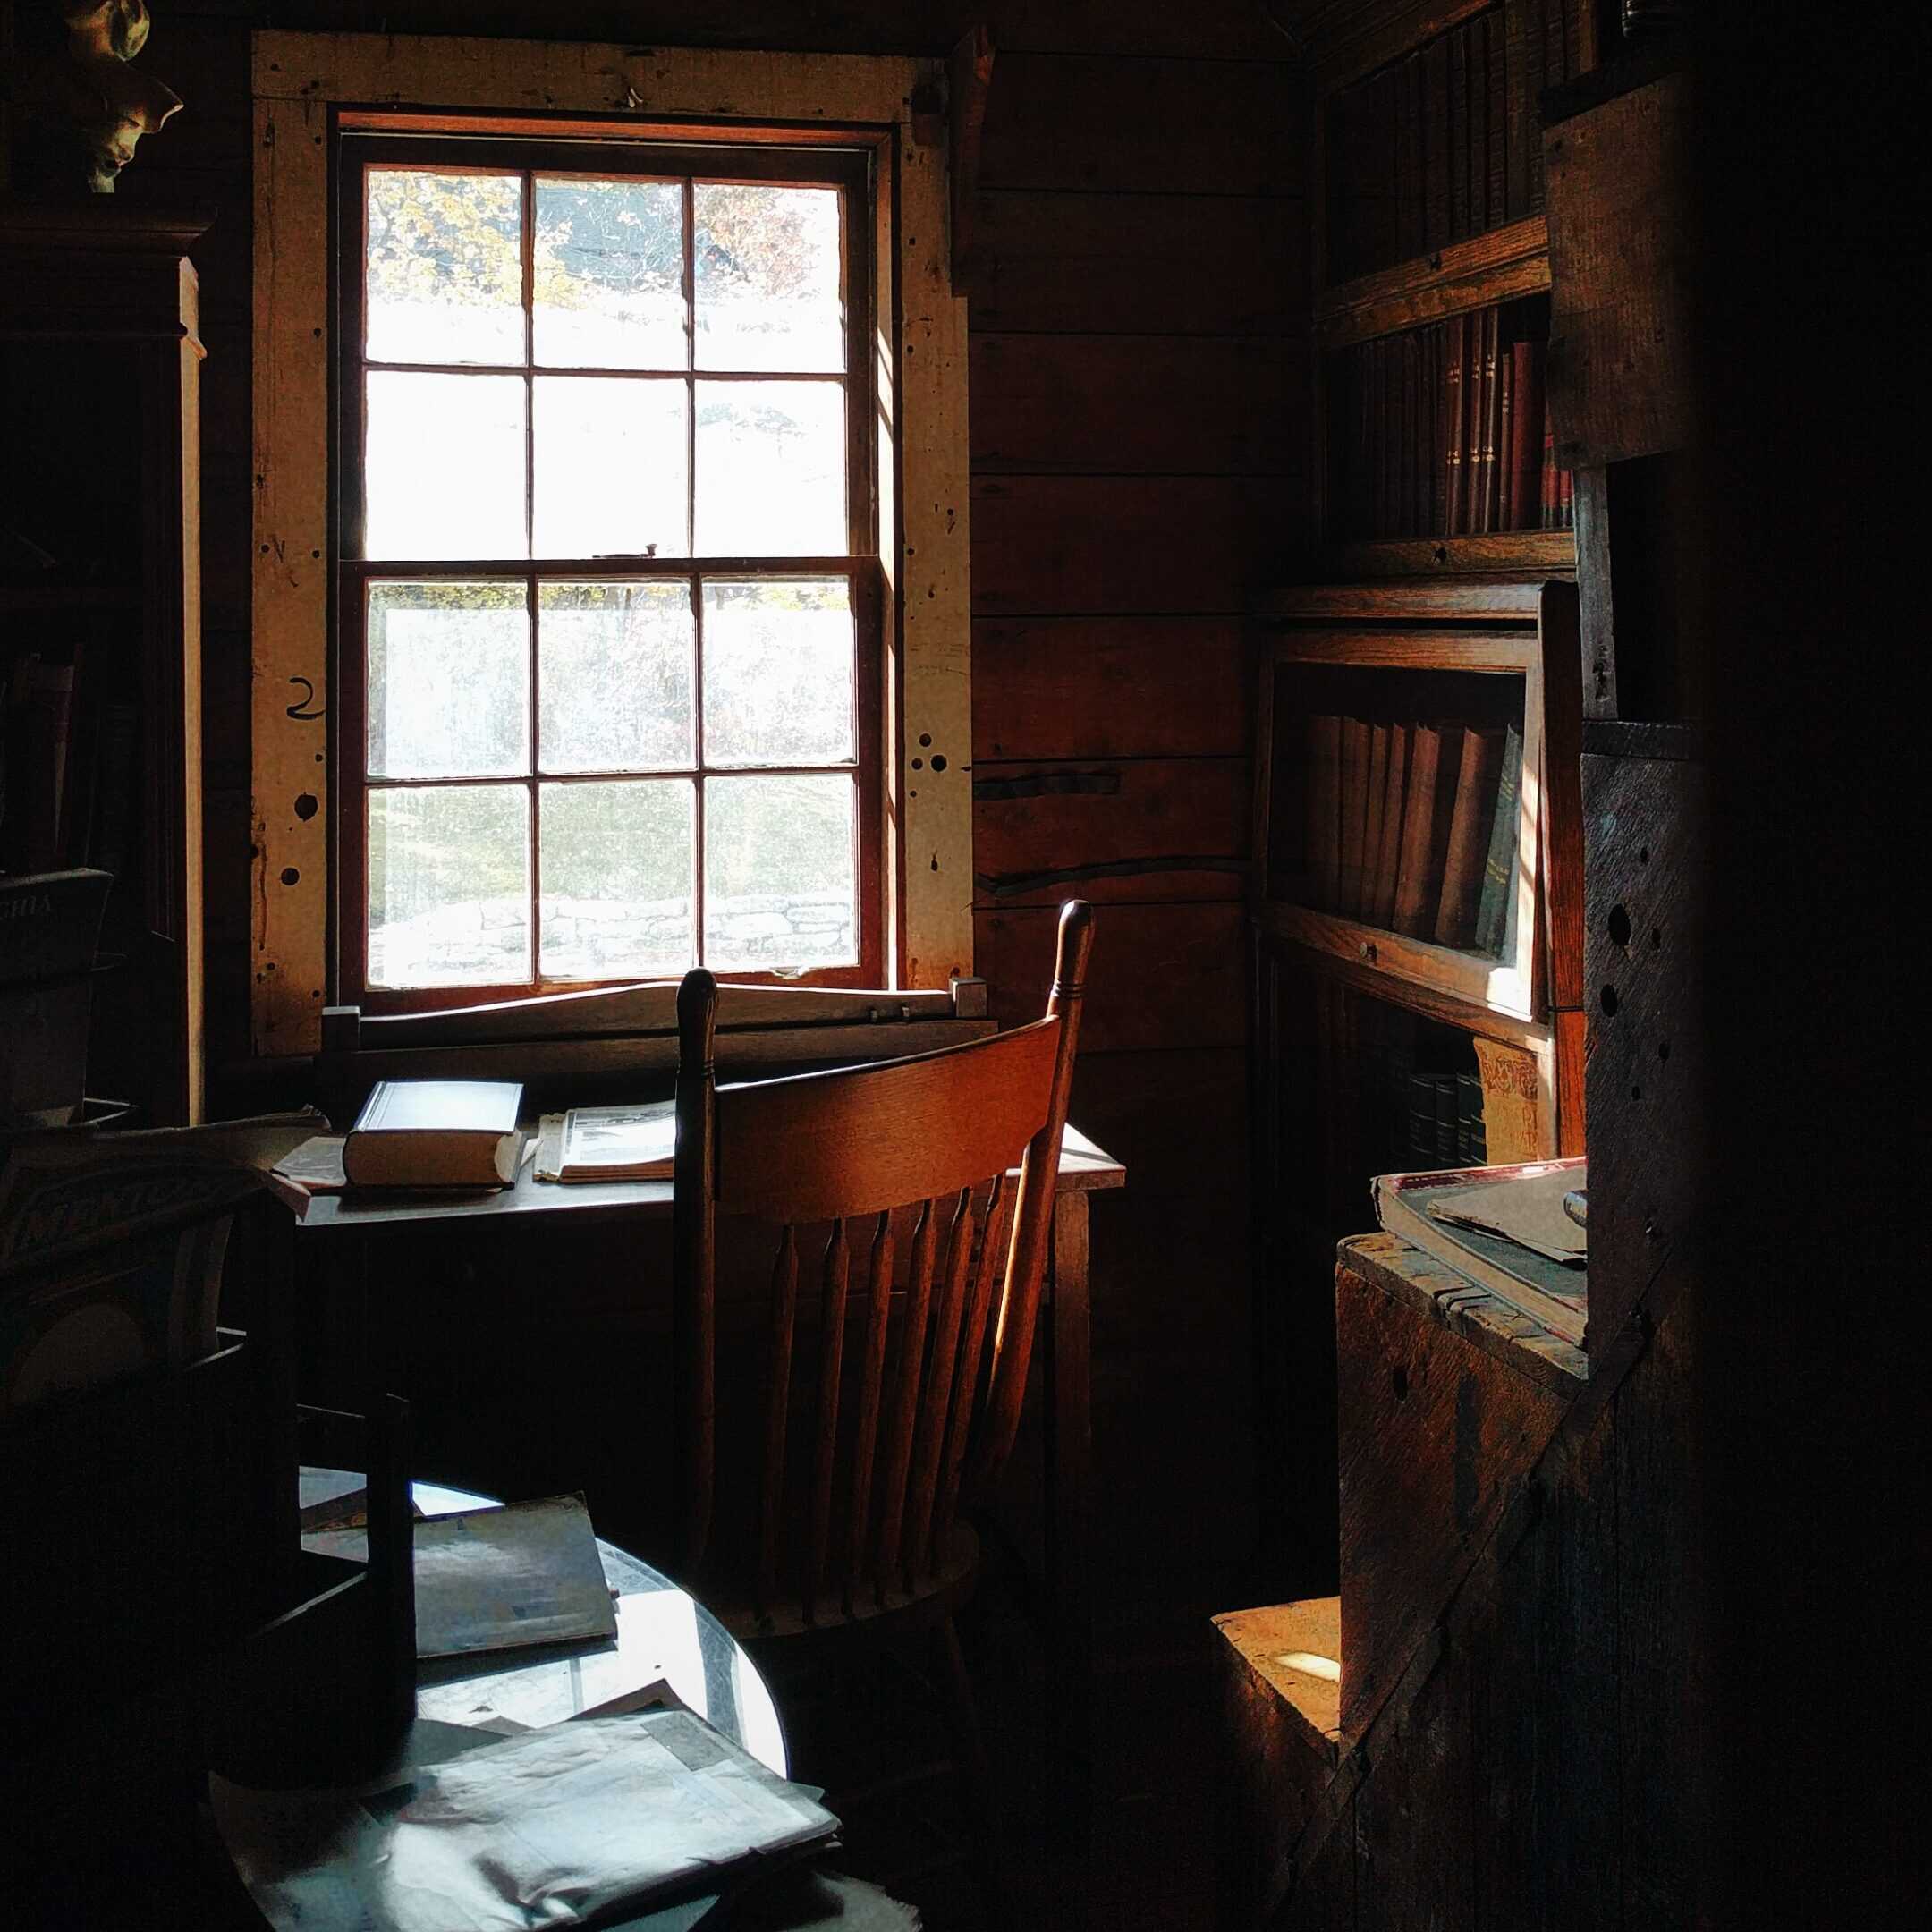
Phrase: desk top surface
(1084, 1168)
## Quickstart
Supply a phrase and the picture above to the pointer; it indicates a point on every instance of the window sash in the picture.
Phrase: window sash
(848, 169)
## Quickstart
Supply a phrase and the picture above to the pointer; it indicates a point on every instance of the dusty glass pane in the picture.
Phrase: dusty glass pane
(610, 466)
(448, 680)
(771, 469)
(781, 872)
(766, 272)
(444, 267)
(613, 678)
(449, 886)
(778, 672)
(608, 275)
(618, 878)
(443, 473)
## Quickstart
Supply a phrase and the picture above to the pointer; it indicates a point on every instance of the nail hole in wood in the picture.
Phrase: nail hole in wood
(1619, 926)
(1607, 999)
(1399, 1382)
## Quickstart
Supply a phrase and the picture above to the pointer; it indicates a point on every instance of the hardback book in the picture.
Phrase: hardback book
(1494, 900)
(419, 1133)
(1435, 755)
(1395, 779)
(1457, 156)
(1502, 488)
(1468, 845)
(1324, 810)
(1436, 141)
(609, 1143)
(1495, 70)
(1554, 1292)
(1448, 1102)
(1525, 432)
(1373, 793)
(1422, 1118)
(1480, 381)
(1455, 424)
(1354, 798)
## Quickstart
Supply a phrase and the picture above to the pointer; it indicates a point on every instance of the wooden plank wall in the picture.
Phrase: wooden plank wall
(1140, 423)
(1139, 427)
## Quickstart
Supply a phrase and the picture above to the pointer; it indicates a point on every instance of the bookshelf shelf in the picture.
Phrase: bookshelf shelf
(1535, 553)
(1498, 266)
(1466, 982)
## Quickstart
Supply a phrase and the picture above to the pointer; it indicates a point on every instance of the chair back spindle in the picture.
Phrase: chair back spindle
(871, 1437)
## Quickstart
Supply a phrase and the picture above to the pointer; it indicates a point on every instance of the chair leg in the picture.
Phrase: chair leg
(976, 1774)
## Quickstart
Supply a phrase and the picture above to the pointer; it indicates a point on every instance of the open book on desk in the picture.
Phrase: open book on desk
(609, 1143)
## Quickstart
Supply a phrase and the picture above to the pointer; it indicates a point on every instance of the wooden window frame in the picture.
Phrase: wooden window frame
(851, 169)
(309, 87)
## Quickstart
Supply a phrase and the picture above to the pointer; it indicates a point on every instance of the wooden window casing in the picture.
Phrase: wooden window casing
(309, 89)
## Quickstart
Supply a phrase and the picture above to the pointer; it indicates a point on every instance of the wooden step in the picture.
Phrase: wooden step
(1281, 1693)
(1446, 1401)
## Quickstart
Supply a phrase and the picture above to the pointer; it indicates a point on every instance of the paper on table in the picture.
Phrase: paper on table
(545, 1829)
(1528, 1211)
(497, 1579)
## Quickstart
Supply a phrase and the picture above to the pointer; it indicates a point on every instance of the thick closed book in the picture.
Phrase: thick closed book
(435, 1133)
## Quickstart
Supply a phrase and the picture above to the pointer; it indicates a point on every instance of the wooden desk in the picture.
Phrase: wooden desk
(1065, 1342)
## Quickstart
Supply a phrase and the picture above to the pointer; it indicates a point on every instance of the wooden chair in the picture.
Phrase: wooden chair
(842, 1514)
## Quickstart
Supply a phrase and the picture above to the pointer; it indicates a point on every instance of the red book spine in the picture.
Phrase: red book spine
(1525, 432)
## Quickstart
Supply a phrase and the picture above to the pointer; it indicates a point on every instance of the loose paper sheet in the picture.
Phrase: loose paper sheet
(546, 1829)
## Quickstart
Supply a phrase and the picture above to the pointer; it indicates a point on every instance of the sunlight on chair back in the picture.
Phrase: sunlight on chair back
(950, 1157)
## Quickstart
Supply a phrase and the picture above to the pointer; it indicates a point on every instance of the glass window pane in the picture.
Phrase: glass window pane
(771, 469)
(614, 673)
(618, 878)
(778, 672)
(767, 274)
(445, 267)
(448, 680)
(781, 873)
(449, 886)
(442, 472)
(610, 464)
(608, 275)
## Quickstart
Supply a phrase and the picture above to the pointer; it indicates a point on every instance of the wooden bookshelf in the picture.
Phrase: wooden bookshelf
(100, 611)
(1437, 607)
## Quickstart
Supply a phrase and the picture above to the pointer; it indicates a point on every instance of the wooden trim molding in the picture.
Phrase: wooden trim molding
(301, 83)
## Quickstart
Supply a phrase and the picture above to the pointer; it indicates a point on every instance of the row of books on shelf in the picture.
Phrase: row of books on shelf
(1445, 431)
(1412, 827)
(1446, 143)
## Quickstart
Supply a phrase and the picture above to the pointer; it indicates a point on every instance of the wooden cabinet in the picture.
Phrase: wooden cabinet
(100, 609)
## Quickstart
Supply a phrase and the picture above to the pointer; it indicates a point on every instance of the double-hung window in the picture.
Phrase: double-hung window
(608, 602)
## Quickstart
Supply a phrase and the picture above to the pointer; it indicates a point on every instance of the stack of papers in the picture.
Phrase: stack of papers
(546, 1829)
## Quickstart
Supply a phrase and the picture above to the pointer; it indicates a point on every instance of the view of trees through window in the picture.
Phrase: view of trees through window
(609, 648)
